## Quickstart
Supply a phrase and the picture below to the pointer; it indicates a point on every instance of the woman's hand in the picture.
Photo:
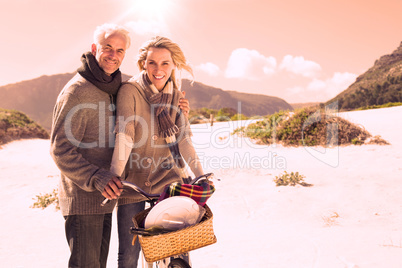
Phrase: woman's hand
(184, 105)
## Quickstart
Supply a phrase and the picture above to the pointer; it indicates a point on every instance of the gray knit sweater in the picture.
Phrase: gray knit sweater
(82, 143)
(150, 165)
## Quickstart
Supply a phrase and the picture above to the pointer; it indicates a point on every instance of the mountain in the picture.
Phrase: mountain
(201, 96)
(37, 97)
(34, 97)
(380, 84)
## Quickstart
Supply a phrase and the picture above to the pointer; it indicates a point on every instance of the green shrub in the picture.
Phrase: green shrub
(203, 115)
(386, 105)
(16, 125)
(291, 179)
(45, 200)
(306, 127)
(357, 141)
(264, 130)
(238, 117)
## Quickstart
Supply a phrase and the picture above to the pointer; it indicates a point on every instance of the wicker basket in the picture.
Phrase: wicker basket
(161, 246)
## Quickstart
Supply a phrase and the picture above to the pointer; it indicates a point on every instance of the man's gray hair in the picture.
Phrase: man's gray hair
(103, 31)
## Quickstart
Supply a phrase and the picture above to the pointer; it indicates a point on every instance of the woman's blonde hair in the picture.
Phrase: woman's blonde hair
(177, 56)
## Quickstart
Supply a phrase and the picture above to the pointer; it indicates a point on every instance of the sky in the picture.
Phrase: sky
(301, 51)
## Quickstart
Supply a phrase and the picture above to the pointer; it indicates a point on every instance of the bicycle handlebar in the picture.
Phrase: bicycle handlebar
(152, 197)
(133, 186)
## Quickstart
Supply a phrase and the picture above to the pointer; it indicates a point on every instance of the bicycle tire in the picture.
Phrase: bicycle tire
(178, 263)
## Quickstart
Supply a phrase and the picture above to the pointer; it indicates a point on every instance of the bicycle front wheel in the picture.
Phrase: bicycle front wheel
(178, 263)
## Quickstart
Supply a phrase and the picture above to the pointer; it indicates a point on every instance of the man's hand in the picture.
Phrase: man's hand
(113, 189)
(184, 104)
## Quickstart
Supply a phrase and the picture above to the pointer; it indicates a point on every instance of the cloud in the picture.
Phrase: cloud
(142, 27)
(334, 85)
(249, 64)
(322, 90)
(209, 68)
(295, 90)
(300, 66)
(318, 85)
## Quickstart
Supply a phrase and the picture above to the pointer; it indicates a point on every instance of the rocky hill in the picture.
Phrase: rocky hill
(37, 97)
(380, 84)
(15, 125)
(34, 97)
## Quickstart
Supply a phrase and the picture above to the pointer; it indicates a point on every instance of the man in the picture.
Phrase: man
(82, 143)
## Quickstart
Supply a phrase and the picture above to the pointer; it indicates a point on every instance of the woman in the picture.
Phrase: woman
(147, 114)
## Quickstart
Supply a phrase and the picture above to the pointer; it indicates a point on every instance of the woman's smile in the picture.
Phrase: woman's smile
(159, 66)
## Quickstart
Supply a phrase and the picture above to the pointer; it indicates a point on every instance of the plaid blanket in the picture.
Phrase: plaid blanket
(198, 192)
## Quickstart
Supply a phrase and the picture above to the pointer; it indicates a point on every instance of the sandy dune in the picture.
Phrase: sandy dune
(351, 217)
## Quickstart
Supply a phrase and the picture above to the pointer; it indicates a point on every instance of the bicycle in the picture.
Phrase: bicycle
(181, 260)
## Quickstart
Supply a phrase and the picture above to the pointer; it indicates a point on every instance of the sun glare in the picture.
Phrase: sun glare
(152, 8)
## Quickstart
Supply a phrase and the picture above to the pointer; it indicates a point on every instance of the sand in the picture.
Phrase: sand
(350, 217)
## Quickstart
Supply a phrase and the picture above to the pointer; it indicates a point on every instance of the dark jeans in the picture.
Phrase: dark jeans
(128, 254)
(88, 237)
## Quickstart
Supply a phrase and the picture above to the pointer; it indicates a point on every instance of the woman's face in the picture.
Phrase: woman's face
(159, 66)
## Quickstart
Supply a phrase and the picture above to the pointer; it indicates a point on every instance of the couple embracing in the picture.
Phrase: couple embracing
(93, 151)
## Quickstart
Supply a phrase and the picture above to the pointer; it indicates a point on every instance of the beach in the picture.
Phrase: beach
(350, 217)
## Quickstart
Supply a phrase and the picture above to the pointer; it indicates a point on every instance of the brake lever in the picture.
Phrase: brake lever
(202, 177)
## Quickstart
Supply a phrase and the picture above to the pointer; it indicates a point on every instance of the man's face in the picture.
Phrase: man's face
(110, 53)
